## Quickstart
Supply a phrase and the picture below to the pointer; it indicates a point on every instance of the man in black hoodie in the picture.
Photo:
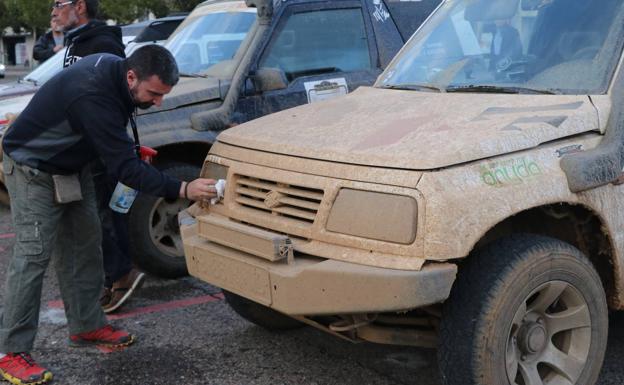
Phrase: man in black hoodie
(86, 36)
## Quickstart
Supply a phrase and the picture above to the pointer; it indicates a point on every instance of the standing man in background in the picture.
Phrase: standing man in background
(49, 43)
(85, 36)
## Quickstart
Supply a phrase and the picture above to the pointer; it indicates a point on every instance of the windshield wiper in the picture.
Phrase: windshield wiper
(412, 87)
(499, 89)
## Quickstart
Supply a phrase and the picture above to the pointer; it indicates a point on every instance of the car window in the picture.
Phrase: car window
(201, 42)
(320, 41)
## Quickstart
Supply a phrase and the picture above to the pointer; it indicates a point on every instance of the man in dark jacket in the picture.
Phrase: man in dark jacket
(87, 36)
(76, 117)
(49, 43)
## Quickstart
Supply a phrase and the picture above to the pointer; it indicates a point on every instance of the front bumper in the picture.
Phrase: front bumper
(307, 285)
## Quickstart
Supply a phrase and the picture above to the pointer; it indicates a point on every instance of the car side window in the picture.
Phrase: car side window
(317, 42)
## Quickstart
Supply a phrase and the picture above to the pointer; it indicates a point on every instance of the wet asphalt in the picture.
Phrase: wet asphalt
(186, 334)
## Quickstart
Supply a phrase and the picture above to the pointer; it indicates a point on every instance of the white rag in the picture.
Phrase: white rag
(220, 187)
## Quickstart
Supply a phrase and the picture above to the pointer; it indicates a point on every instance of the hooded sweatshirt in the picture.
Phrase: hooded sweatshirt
(93, 37)
(78, 116)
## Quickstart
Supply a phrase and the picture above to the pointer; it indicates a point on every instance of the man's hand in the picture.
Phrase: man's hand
(198, 190)
(57, 48)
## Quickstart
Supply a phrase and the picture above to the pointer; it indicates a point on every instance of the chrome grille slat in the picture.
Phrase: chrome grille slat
(276, 198)
(295, 213)
(253, 203)
(301, 203)
(282, 189)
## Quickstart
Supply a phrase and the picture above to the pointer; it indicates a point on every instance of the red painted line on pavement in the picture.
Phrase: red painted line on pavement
(7, 235)
(165, 306)
(154, 308)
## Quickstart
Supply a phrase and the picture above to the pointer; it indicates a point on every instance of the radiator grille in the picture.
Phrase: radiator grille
(281, 199)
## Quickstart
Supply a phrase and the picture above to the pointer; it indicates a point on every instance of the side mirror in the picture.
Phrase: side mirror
(269, 79)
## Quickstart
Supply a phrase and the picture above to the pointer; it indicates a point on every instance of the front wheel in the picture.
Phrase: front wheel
(526, 310)
(156, 245)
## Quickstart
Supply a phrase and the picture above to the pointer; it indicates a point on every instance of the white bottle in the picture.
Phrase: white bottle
(122, 198)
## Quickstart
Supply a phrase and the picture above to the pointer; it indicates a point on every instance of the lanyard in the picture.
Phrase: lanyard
(137, 144)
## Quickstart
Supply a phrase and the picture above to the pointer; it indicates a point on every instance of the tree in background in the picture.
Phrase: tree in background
(34, 15)
(129, 10)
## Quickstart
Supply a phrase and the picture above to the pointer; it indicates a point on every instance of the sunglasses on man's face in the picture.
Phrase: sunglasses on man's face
(61, 4)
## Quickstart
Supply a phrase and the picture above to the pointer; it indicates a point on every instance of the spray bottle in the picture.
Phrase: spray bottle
(124, 196)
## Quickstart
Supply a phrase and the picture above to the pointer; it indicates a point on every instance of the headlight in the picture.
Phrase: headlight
(213, 170)
(2, 67)
(373, 215)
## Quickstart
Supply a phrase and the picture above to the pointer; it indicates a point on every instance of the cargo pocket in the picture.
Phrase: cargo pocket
(28, 240)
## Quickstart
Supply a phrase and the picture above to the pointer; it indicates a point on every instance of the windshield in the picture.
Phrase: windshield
(45, 71)
(208, 39)
(546, 46)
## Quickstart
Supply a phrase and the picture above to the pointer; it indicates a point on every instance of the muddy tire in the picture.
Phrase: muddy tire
(525, 310)
(259, 314)
(155, 243)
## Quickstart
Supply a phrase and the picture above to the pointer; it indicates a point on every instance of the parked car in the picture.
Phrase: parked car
(30, 83)
(236, 66)
(472, 200)
(151, 32)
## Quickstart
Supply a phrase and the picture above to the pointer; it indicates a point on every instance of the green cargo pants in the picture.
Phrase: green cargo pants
(38, 220)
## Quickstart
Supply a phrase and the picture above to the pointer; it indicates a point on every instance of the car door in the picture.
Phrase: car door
(323, 50)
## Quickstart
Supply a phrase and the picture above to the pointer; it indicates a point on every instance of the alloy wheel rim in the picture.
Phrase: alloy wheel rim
(549, 336)
(163, 226)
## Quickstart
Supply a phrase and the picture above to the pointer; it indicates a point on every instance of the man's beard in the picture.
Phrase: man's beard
(144, 105)
(137, 103)
(72, 23)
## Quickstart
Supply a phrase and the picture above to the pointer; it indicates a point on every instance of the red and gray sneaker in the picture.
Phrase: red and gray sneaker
(21, 369)
(105, 336)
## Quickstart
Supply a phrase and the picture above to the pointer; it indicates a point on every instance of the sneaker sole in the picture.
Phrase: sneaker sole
(135, 285)
(86, 344)
(47, 377)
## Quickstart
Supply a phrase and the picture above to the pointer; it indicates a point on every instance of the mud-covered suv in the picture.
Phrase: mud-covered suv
(472, 200)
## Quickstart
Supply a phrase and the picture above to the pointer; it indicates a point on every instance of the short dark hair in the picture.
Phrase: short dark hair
(156, 60)
(92, 8)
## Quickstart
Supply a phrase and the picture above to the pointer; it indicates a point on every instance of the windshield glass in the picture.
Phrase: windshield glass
(205, 40)
(45, 71)
(559, 46)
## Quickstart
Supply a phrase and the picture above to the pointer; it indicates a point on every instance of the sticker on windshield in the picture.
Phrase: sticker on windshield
(325, 89)
(380, 13)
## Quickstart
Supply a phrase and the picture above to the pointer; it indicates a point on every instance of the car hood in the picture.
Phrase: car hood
(416, 130)
(15, 88)
(191, 91)
(14, 105)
